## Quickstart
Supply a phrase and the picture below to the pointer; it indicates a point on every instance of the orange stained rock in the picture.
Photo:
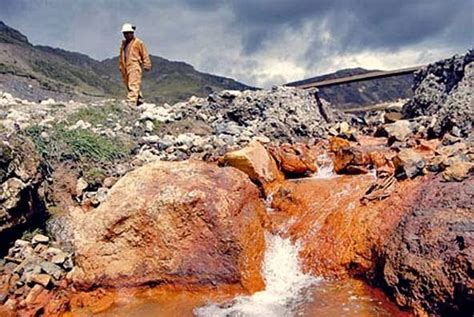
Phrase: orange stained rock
(355, 159)
(186, 223)
(336, 144)
(429, 146)
(294, 160)
(366, 140)
(338, 234)
(256, 162)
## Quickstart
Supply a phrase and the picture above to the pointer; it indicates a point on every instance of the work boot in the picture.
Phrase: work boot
(140, 99)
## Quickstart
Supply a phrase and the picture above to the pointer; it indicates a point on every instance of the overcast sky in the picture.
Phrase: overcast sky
(258, 42)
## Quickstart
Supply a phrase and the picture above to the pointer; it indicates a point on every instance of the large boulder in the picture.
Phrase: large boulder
(255, 161)
(20, 180)
(429, 260)
(186, 223)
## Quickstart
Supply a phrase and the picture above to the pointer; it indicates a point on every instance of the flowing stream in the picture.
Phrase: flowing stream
(288, 293)
(288, 290)
(285, 285)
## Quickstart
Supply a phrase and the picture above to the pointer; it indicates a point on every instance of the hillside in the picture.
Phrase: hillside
(37, 72)
(171, 81)
(353, 95)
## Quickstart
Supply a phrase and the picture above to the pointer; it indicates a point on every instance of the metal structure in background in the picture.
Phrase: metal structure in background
(356, 78)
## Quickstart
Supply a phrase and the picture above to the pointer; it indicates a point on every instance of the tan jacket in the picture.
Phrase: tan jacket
(137, 57)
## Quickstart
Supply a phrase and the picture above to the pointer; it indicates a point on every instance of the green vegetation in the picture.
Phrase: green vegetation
(96, 115)
(156, 127)
(61, 76)
(50, 70)
(29, 234)
(85, 143)
(6, 69)
(77, 145)
(175, 87)
(34, 133)
(94, 175)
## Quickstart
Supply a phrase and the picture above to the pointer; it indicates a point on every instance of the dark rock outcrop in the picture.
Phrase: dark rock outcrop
(443, 91)
(283, 113)
(429, 260)
(20, 180)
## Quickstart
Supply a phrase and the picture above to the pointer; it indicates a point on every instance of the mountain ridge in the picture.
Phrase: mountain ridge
(363, 93)
(56, 72)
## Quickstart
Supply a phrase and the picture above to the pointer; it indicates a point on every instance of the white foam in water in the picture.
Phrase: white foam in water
(325, 167)
(373, 172)
(284, 285)
(268, 203)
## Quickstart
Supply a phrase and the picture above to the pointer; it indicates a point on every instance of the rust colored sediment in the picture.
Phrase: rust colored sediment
(339, 235)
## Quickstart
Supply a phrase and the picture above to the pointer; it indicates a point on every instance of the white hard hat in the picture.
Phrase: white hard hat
(128, 27)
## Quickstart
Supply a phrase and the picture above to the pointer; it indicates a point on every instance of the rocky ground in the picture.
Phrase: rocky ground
(82, 182)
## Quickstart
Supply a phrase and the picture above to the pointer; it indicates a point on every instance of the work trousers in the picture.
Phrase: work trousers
(133, 81)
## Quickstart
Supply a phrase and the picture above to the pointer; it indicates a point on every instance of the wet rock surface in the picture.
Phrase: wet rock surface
(339, 234)
(428, 261)
(295, 160)
(350, 158)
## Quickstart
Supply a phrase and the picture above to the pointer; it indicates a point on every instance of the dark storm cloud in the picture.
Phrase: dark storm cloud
(386, 24)
(258, 41)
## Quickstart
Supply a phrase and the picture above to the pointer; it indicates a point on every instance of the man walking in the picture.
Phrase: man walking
(133, 56)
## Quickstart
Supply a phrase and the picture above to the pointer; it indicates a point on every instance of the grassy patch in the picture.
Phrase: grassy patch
(29, 234)
(85, 143)
(77, 145)
(94, 175)
(156, 127)
(96, 115)
(34, 133)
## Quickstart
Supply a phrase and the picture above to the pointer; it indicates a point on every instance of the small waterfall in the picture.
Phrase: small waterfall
(325, 167)
(285, 285)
